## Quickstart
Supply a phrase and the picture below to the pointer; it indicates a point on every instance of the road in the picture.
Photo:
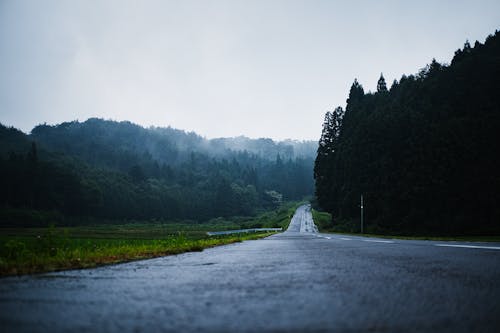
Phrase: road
(291, 282)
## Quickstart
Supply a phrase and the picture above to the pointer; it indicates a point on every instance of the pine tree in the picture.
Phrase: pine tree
(356, 92)
(326, 158)
(381, 85)
(31, 175)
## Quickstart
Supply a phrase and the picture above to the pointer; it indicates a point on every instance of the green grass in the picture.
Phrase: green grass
(279, 218)
(323, 220)
(34, 250)
(55, 250)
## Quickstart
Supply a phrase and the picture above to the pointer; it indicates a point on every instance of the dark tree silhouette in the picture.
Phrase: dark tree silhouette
(381, 85)
(325, 155)
(118, 170)
(423, 154)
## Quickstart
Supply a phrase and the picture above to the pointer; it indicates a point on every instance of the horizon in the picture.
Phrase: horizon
(161, 127)
(221, 68)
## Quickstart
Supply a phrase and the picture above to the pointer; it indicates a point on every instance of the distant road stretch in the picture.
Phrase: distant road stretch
(302, 220)
(296, 281)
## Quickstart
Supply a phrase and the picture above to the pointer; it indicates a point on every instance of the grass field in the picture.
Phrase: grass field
(34, 250)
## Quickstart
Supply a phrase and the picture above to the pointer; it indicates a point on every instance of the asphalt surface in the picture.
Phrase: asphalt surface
(291, 282)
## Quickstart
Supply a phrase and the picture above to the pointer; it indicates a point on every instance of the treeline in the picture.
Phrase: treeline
(118, 170)
(424, 153)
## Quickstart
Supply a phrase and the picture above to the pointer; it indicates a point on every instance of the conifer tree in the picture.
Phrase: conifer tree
(355, 93)
(381, 85)
(326, 155)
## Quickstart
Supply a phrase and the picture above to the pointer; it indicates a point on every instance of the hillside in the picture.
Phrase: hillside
(101, 169)
(102, 142)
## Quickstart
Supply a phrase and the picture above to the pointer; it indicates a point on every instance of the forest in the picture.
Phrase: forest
(101, 171)
(423, 153)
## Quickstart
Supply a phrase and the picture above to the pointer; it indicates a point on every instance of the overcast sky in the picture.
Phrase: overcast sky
(220, 68)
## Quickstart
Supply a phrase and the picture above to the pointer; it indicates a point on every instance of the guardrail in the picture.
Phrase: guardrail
(215, 233)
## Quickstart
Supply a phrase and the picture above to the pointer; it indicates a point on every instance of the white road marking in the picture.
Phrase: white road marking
(321, 236)
(345, 238)
(377, 241)
(470, 246)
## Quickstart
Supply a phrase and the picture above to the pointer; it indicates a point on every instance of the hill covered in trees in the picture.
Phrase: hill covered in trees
(424, 153)
(111, 170)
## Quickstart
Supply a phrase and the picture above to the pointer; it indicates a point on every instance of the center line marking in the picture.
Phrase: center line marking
(470, 246)
(377, 241)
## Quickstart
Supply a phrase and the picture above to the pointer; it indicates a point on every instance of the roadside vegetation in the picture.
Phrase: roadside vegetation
(34, 250)
(324, 222)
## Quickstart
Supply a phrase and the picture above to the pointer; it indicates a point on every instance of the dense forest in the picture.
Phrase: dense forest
(99, 170)
(424, 153)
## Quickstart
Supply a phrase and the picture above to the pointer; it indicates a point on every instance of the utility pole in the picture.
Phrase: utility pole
(361, 213)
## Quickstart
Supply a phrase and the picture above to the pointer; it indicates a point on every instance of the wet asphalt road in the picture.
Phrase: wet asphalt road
(291, 282)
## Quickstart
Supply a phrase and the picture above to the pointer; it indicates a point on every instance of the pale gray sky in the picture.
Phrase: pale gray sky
(220, 68)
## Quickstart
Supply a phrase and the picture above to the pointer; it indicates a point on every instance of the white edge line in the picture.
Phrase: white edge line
(377, 241)
(470, 246)
(321, 236)
(345, 238)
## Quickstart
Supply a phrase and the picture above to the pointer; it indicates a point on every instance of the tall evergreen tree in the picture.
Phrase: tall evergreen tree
(326, 154)
(381, 85)
(356, 93)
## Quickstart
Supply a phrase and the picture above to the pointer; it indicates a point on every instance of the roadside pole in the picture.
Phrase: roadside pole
(361, 213)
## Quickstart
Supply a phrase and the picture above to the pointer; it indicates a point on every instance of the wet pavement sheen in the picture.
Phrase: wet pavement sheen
(291, 282)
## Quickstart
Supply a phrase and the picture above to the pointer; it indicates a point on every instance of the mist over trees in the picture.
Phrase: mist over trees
(424, 153)
(118, 170)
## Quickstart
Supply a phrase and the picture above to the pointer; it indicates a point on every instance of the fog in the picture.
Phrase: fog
(219, 68)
